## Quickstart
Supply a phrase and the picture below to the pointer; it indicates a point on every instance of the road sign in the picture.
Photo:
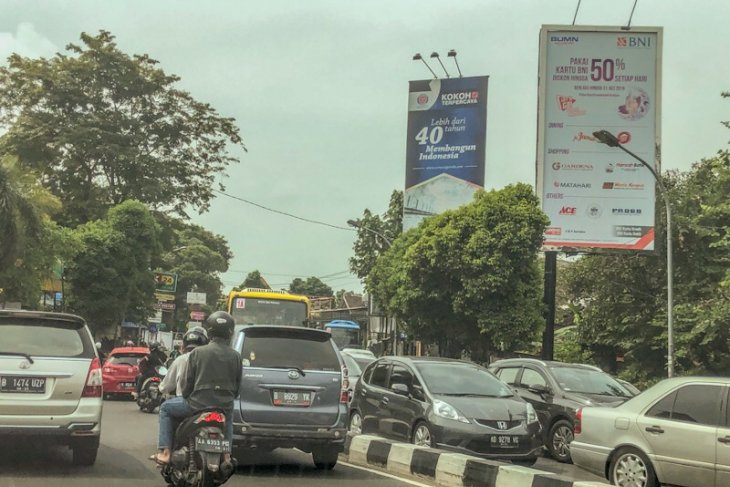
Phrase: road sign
(164, 306)
(165, 281)
(197, 315)
(155, 319)
(164, 297)
(196, 298)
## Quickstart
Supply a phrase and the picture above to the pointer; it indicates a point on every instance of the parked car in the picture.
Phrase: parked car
(629, 386)
(293, 392)
(50, 382)
(676, 432)
(445, 403)
(121, 369)
(556, 390)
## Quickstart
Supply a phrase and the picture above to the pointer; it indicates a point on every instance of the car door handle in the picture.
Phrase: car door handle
(724, 439)
(654, 429)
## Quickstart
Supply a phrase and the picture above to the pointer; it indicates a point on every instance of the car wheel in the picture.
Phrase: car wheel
(559, 439)
(422, 435)
(631, 468)
(325, 459)
(355, 423)
(84, 453)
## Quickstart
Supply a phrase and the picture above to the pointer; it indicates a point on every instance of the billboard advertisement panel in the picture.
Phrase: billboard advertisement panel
(591, 79)
(447, 127)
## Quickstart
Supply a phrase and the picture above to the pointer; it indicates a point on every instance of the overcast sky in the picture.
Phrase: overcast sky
(319, 91)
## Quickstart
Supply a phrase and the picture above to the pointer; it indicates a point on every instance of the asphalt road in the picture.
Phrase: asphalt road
(129, 437)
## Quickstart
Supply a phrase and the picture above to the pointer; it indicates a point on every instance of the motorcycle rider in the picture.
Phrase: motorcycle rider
(147, 365)
(212, 380)
(172, 383)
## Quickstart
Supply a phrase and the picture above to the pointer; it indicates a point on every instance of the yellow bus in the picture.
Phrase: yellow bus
(252, 306)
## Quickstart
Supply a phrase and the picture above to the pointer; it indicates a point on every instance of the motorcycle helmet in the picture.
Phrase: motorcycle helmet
(154, 346)
(129, 343)
(220, 324)
(195, 337)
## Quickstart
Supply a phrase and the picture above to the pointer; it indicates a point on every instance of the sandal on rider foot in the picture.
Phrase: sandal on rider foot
(155, 458)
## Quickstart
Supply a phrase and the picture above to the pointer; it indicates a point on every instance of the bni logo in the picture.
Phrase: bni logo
(422, 99)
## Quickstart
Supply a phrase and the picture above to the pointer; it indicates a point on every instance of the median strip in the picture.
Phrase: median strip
(449, 469)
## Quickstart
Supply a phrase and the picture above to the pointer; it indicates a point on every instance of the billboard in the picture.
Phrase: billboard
(447, 126)
(598, 78)
(165, 281)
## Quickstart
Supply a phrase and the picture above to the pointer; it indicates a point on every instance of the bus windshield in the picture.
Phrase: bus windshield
(344, 337)
(270, 311)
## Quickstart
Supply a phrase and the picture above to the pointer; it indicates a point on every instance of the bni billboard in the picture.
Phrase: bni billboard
(447, 127)
(598, 78)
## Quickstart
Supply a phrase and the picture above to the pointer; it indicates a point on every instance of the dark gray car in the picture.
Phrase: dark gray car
(445, 403)
(557, 390)
(293, 392)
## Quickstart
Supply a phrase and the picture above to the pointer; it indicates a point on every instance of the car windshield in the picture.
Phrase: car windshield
(283, 352)
(588, 381)
(125, 358)
(45, 338)
(461, 379)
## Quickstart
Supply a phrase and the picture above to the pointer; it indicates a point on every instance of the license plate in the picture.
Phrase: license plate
(212, 445)
(501, 441)
(31, 385)
(291, 398)
(127, 385)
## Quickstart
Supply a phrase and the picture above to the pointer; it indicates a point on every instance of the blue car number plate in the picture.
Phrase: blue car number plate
(212, 445)
(502, 441)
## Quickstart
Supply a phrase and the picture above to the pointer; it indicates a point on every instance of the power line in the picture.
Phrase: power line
(308, 220)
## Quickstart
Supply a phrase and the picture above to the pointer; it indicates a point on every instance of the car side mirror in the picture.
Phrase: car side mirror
(417, 392)
(539, 389)
(400, 389)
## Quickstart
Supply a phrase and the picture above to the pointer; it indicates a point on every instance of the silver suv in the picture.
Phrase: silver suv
(50, 381)
(294, 392)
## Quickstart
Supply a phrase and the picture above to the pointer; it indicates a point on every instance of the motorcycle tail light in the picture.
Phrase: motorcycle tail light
(213, 418)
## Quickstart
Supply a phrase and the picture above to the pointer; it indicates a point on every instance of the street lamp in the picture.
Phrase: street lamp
(357, 224)
(606, 137)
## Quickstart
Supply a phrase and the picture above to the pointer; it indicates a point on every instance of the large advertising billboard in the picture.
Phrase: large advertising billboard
(447, 127)
(591, 79)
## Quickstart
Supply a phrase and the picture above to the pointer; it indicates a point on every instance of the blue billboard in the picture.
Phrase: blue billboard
(447, 128)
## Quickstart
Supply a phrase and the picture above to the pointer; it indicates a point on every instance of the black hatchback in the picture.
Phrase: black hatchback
(557, 390)
(445, 403)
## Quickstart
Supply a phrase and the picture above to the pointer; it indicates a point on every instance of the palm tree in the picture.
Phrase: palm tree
(24, 203)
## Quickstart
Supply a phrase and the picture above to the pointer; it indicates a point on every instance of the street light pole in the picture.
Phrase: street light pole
(606, 137)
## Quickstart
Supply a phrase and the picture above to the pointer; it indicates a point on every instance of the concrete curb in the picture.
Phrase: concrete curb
(449, 469)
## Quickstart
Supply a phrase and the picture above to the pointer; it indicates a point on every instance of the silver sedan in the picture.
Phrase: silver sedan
(677, 432)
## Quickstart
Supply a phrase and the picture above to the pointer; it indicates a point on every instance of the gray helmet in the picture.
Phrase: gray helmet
(220, 324)
(195, 338)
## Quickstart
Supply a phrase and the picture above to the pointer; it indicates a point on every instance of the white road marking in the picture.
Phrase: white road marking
(384, 474)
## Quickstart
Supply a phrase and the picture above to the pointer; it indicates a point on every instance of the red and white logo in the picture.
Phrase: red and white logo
(568, 210)
(624, 137)
(422, 99)
(553, 231)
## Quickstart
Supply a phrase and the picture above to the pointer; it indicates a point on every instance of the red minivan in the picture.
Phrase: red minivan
(121, 369)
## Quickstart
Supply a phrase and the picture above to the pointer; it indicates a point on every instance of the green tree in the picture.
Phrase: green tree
(254, 279)
(468, 278)
(312, 286)
(101, 127)
(370, 232)
(110, 277)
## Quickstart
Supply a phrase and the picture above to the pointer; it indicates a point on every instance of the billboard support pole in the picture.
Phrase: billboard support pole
(548, 336)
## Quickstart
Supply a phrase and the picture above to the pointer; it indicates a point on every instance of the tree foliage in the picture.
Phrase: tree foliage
(110, 277)
(254, 279)
(312, 286)
(101, 127)
(468, 278)
(621, 300)
(371, 230)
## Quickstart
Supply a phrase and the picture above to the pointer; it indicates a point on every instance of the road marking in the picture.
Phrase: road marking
(384, 474)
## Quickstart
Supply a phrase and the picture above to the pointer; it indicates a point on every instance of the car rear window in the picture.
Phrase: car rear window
(125, 358)
(282, 351)
(45, 338)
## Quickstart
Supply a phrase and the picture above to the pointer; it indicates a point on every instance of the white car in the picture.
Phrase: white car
(677, 432)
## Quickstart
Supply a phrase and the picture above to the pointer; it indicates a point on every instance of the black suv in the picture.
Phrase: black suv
(556, 390)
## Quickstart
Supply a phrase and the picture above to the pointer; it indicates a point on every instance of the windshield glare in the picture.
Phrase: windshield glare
(587, 381)
(462, 380)
(255, 311)
(343, 337)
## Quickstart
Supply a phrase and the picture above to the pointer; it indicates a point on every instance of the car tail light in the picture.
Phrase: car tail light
(108, 370)
(344, 391)
(94, 381)
(577, 426)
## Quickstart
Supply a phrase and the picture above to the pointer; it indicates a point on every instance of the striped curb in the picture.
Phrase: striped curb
(447, 469)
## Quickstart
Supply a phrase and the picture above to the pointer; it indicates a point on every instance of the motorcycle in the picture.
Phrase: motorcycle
(197, 456)
(150, 397)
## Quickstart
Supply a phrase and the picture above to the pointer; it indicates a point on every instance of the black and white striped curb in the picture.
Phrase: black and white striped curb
(449, 469)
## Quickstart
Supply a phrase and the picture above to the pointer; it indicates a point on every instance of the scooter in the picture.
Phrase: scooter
(199, 448)
(150, 397)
